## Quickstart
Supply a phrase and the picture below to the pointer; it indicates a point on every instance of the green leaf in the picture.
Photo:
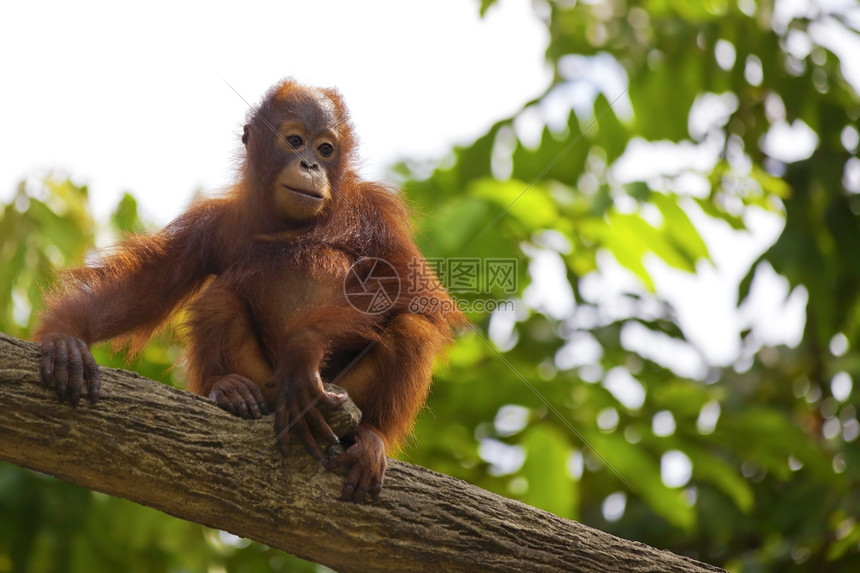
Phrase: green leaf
(770, 184)
(641, 470)
(557, 157)
(551, 486)
(710, 208)
(682, 233)
(629, 254)
(682, 397)
(62, 232)
(125, 218)
(633, 228)
(531, 204)
(710, 467)
(766, 437)
(456, 224)
(485, 5)
(612, 136)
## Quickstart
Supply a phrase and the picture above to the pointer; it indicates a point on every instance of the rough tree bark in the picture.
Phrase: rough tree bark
(181, 454)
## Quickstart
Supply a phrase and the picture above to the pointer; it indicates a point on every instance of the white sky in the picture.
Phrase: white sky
(131, 96)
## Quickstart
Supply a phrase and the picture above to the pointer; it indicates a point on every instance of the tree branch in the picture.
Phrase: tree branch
(183, 455)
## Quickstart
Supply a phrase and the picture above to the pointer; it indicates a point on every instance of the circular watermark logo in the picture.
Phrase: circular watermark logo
(372, 285)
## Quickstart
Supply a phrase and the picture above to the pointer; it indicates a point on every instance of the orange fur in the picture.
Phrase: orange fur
(269, 280)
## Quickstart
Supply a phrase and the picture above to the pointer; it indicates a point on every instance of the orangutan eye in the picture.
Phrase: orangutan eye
(294, 140)
(326, 149)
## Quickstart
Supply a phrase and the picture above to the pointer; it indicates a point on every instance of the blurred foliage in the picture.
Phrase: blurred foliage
(567, 405)
(576, 410)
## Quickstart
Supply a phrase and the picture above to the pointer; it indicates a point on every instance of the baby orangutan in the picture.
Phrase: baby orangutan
(268, 273)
